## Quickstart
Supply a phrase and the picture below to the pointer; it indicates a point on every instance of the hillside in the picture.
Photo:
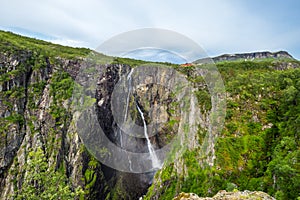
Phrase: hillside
(44, 155)
(259, 147)
(282, 55)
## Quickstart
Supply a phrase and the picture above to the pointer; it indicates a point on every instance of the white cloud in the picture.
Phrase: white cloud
(68, 42)
(218, 25)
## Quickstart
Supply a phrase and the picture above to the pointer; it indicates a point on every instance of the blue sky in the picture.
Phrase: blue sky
(219, 26)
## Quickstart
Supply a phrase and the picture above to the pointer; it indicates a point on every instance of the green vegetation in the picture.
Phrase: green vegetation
(128, 61)
(90, 175)
(61, 89)
(11, 42)
(44, 182)
(135, 63)
(259, 146)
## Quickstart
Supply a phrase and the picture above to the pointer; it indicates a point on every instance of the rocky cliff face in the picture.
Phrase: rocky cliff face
(131, 185)
(35, 112)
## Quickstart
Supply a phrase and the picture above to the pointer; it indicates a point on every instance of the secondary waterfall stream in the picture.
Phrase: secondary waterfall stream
(128, 93)
(127, 104)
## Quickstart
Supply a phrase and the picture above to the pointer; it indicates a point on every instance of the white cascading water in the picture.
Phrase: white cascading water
(155, 162)
(126, 112)
(128, 93)
(127, 103)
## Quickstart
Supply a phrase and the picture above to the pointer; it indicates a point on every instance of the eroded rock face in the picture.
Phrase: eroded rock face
(154, 100)
(223, 195)
(12, 108)
(35, 112)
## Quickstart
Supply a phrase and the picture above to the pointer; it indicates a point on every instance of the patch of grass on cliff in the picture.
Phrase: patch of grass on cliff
(136, 63)
(10, 41)
(61, 86)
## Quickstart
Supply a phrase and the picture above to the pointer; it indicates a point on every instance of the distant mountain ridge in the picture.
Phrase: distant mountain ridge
(254, 55)
(249, 56)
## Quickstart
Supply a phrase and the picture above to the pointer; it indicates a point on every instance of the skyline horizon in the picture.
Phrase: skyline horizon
(52, 39)
(218, 26)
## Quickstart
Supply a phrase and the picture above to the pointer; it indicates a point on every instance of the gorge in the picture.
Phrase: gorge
(257, 150)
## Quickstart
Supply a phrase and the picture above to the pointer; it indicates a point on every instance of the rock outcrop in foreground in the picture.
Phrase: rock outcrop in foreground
(223, 195)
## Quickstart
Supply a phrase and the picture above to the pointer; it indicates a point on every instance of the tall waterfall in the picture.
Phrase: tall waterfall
(155, 162)
(127, 104)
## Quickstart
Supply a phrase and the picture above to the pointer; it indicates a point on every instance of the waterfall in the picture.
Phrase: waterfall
(128, 93)
(127, 104)
(130, 164)
(155, 162)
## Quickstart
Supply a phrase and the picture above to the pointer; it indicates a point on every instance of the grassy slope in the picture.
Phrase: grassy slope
(9, 41)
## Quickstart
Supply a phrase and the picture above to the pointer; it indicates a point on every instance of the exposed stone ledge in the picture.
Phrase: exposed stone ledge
(223, 195)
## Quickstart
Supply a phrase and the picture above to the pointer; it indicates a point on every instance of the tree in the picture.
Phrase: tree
(43, 182)
(283, 170)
